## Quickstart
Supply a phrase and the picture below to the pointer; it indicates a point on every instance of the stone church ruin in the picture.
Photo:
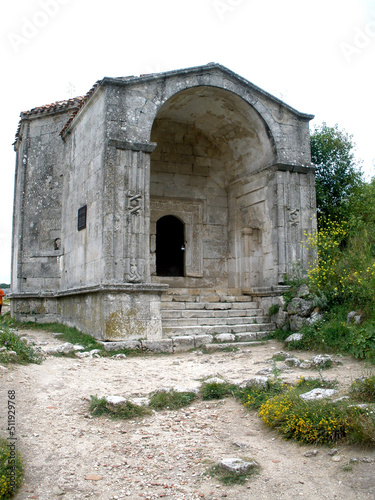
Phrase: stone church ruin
(162, 205)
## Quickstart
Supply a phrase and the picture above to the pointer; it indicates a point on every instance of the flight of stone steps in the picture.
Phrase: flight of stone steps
(213, 317)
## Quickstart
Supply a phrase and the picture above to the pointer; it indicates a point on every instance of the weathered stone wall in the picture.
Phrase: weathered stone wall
(126, 313)
(35, 309)
(225, 157)
(38, 205)
(82, 262)
(187, 171)
(250, 232)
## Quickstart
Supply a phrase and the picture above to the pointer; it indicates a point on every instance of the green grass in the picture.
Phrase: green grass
(171, 400)
(363, 389)
(274, 309)
(68, 334)
(10, 466)
(254, 396)
(322, 421)
(25, 353)
(216, 390)
(333, 334)
(308, 384)
(124, 411)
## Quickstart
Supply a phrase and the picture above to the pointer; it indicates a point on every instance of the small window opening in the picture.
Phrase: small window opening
(170, 246)
(82, 217)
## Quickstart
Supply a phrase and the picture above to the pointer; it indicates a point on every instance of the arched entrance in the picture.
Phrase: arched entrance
(170, 246)
(212, 148)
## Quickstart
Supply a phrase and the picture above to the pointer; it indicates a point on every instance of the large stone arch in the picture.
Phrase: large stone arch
(230, 92)
(209, 142)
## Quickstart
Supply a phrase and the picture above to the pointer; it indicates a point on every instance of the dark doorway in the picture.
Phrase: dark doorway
(170, 246)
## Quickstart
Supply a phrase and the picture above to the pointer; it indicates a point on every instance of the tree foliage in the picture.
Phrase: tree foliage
(338, 174)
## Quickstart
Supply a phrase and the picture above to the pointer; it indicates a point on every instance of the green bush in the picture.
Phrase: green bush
(254, 395)
(319, 421)
(311, 383)
(11, 470)
(362, 425)
(334, 334)
(216, 390)
(171, 400)
(126, 410)
(310, 422)
(342, 277)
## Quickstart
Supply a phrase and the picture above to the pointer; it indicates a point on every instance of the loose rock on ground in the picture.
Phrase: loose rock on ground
(71, 455)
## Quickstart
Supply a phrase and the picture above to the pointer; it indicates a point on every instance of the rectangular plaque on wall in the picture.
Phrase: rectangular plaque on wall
(82, 217)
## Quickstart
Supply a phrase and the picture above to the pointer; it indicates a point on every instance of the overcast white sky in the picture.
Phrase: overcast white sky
(316, 56)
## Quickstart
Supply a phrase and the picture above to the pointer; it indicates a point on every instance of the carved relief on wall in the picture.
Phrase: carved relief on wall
(134, 276)
(134, 202)
(293, 216)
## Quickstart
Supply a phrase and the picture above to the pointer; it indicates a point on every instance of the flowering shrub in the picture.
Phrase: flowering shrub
(311, 422)
(255, 395)
(344, 269)
(9, 472)
(326, 242)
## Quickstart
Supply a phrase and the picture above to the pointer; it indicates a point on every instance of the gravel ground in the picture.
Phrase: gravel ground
(70, 455)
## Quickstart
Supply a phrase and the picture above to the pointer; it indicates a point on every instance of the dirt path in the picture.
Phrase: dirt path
(166, 454)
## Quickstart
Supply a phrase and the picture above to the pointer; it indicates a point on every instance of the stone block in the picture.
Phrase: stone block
(318, 393)
(125, 344)
(158, 346)
(237, 465)
(296, 323)
(183, 343)
(300, 306)
(225, 337)
(295, 337)
(202, 340)
(245, 337)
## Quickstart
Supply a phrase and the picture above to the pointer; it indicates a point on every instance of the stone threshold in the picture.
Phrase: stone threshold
(271, 291)
(180, 344)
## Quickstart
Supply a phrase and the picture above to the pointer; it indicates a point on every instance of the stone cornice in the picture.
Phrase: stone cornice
(201, 70)
(147, 147)
(105, 288)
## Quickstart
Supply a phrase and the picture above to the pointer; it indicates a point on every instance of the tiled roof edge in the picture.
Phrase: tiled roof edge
(80, 105)
(47, 109)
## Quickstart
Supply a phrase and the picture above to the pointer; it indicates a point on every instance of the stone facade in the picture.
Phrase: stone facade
(101, 179)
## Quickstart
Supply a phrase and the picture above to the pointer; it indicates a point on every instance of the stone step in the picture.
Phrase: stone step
(252, 314)
(203, 292)
(211, 321)
(216, 329)
(236, 345)
(209, 296)
(186, 343)
(209, 306)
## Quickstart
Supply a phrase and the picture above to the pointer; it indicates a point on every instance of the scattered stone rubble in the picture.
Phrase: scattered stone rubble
(319, 361)
(318, 393)
(302, 311)
(299, 312)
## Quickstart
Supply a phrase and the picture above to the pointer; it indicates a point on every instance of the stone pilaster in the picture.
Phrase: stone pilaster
(127, 212)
